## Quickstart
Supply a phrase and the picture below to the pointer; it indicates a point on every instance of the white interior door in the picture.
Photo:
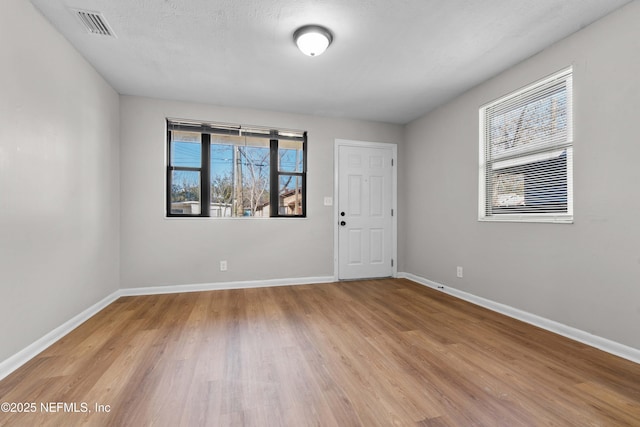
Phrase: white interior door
(365, 221)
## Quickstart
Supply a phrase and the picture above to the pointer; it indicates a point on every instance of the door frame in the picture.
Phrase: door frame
(394, 199)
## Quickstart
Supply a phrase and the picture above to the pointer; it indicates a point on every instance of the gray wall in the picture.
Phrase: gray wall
(59, 184)
(585, 275)
(159, 251)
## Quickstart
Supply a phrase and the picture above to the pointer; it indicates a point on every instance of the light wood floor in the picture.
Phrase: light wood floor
(367, 353)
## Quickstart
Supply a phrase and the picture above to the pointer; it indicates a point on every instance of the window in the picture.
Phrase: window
(216, 170)
(526, 153)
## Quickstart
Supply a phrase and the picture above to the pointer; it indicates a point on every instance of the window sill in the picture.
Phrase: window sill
(234, 218)
(525, 218)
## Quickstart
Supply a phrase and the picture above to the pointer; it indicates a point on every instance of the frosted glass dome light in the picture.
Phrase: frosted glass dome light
(312, 40)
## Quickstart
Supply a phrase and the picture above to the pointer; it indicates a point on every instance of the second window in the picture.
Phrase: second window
(216, 170)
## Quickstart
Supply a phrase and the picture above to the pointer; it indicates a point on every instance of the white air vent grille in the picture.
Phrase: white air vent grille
(94, 22)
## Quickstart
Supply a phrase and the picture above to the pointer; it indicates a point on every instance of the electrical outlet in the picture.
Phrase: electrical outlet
(223, 265)
(459, 272)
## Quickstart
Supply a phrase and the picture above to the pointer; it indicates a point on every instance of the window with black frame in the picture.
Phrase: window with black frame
(226, 171)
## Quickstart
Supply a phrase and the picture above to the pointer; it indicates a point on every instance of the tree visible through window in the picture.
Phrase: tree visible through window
(246, 171)
(526, 153)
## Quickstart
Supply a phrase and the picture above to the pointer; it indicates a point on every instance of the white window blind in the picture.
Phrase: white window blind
(526, 153)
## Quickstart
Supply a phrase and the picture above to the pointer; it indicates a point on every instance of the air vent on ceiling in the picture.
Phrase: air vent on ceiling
(94, 22)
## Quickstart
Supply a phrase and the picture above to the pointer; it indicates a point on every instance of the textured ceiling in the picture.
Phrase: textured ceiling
(390, 61)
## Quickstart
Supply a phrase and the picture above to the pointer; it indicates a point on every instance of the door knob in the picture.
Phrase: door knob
(342, 213)
(343, 223)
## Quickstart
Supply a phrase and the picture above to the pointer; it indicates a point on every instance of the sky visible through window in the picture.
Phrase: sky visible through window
(189, 153)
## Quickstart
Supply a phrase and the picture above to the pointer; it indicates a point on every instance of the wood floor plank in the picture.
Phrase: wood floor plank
(363, 353)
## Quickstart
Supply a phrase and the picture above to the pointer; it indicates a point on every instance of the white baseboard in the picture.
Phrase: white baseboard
(23, 356)
(14, 362)
(575, 334)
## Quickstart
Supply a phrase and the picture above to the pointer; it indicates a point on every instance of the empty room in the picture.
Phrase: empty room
(320, 213)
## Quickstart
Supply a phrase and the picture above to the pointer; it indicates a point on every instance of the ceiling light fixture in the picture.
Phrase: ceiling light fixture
(312, 40)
